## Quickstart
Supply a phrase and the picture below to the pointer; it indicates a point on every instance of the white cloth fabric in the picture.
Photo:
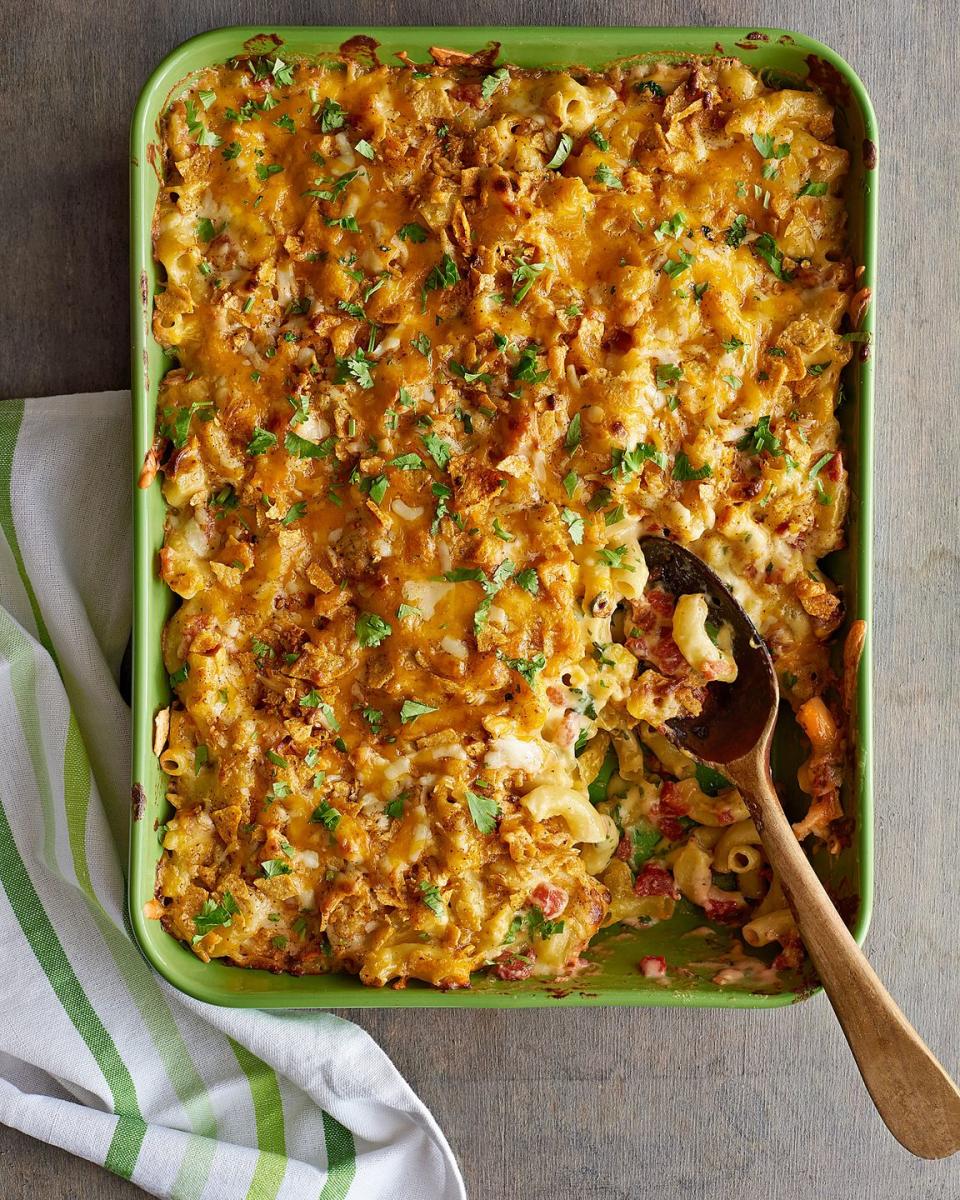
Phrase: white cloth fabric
(97, 1053)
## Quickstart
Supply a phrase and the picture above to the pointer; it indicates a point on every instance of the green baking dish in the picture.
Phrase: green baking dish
(614, 979)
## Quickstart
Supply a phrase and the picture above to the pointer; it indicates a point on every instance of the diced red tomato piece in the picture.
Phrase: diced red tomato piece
(724, 911)
(655, 880)
(660, 601)
(791, 954)
(552, 900)
(667, 811)
(512, 967)
(666, 655)
(653, 966)
(671, 798)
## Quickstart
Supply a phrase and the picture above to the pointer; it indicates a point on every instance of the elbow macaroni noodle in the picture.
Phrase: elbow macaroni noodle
(449, 342)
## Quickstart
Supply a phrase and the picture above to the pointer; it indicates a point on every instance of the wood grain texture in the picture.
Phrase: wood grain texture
(594, 1104)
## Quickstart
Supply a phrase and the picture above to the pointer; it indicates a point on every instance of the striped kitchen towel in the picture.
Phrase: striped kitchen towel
(97, 1053)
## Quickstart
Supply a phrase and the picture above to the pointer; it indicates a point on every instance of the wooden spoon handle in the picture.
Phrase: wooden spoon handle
(916, 1098)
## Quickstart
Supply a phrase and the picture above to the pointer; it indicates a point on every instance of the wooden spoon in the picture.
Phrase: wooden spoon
(913, 1094)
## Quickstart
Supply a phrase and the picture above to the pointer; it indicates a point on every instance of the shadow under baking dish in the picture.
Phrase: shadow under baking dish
(688, 939)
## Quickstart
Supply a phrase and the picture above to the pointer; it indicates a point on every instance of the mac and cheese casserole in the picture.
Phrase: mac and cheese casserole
(449, 338)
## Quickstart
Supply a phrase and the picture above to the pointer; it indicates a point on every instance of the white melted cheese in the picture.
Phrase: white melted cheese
(514, 754)
(426, 594)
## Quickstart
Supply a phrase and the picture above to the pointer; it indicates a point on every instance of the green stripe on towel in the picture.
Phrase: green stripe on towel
(121, 1158)
(341, 1159)
(271, 1133)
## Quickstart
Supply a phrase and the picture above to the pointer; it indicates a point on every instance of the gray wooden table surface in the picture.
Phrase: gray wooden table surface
(597, 1103)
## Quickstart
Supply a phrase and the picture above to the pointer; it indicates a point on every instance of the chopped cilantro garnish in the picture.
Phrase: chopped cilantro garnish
(667, 373)
(408, 462)
(615, 557)
(438, 450)
(313, 700)
(626, 462)
(443, 494)
(608, 178)
(179, 675)
(670, 228)
(355, 366)
(525, 370)
(494, 81)
(378, 488)
(524, 275)
(261, 441)
(294, 513)
(213, 915)
(500, 532)
(371, 629)
(528, 580)
(767, 148)
(204, 136)
(431, 897)
(422, 343)
(812, 188)
(574, 524)
(484, 811)
(411, 709)
(766, 248)
(572, 439)
(332, 116)
(539, 926)
(275, 866)
(465, 575)
(683, 471)
(527, 668)
(414, 232)
(325, 814)
(330, 189)
(761, 438)
(515, 926)
(562, 152)
(468, 376)
(599, 140)
(282, 72)
(737, 231)
(674, 267)
(443, 275)
(373, 717)
(261, 651)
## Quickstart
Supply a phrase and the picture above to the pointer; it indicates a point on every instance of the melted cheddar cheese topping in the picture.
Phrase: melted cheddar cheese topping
(450, 339)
